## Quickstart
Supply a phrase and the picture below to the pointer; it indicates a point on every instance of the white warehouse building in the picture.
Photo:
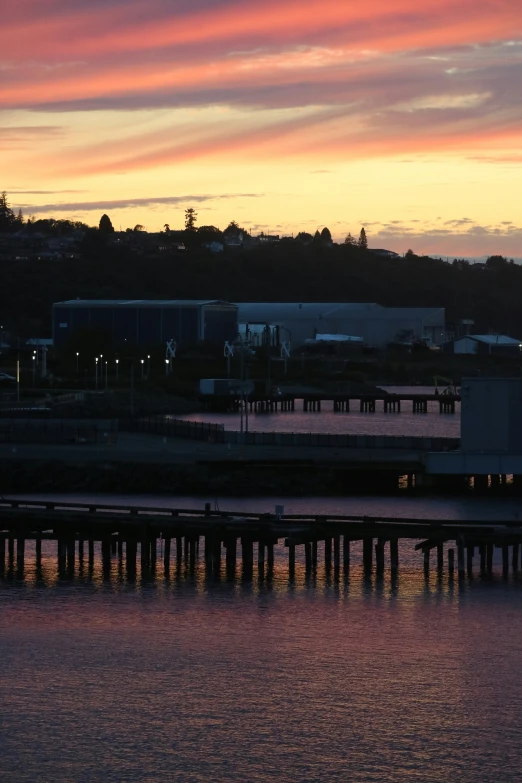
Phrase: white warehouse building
(376, 325)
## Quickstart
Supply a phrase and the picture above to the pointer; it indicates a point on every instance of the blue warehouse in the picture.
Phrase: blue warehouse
(145, 322)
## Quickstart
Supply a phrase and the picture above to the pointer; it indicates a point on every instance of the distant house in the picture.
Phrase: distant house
(384, 253)
(485, 345)
(215, 247)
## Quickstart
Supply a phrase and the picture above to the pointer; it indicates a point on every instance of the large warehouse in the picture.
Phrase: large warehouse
(376, 325)
(145, 322)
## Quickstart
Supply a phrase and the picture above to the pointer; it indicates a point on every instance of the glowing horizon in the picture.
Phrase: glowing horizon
(285, 116)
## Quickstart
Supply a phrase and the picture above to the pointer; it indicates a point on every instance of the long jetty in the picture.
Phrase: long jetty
(123, 530)
(342, 403)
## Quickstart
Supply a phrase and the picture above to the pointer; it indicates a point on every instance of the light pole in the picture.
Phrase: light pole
(142, 369)
(148, 366)
(167, 366)
(106, 374)
(117, 369)
(96, 375)
(34, 367)
(77, 361)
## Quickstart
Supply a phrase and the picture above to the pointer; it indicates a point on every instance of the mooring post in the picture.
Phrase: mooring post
(153, 552)
(71, 551)
(470, 555)
(131, 551)
(10, 552)
(328, 553)
(379, 557)
(166, 555)
(394, 555)
(337, 552)
(489, 556)
(451, 561)
(482, 553)
(20, 554)
(291, 560)
(80, 552)
(106, 556)
(346, 553)
(505, 560)
(308, 557)
(230, 554)
(367, 554)
(314, 554)
(247, 554)
(440, 557)
(514, 559)
(270, 556)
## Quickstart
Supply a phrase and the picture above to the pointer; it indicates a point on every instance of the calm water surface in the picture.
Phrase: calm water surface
(432, 424)
(186, 679)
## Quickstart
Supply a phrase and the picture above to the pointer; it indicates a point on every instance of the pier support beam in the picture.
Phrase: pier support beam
(482, 553)
(469, 564)
(247, 556)
(394, 555)
(489, 558)
(440, 558)
(166, 555)
(230, 556)
(270, 556)
(460, 559)
(20, 555)
(367, 554)
(308, 557)
(505, 560)
(328, 553)
(379, 557)
(261, 557)
(91, 554)
(291, 560)
(2, 556)
(337, 552)
(514, 559)
(314, 554)
(346, 553)
(131, 551)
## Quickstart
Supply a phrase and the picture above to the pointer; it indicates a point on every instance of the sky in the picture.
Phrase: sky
(402, 116)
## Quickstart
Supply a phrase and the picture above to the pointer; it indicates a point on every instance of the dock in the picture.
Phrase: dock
(342, 403)
(132, 534)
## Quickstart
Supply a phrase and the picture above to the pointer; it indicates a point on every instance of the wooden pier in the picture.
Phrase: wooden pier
(342, 403)
(188, 535)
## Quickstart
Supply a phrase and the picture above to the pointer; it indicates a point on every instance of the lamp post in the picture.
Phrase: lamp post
(148, 366)
(117, 369)
(106, 374)
(96, 375)
(167, 363)
(142, 369)
(77, 361)
(34, 367)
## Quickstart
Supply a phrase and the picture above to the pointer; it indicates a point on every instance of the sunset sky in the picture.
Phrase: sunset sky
(400, 115)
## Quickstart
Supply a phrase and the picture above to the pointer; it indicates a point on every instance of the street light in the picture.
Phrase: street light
(77, 358)
(117, 369)
(34, 367)
(142, 368)
(106, 374)
(96, 376)
(167, 363)
(148, 366)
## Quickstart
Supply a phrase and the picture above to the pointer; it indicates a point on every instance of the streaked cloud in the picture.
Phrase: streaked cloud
(130, 203)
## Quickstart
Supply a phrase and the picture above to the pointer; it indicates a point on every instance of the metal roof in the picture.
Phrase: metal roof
(491, 339)
(304, 311)
(140, 303)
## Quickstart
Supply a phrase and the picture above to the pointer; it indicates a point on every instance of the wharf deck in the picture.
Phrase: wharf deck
(118, 526)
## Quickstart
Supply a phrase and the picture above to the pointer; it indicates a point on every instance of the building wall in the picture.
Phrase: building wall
(491, 415)
(145, 326)
(376, 325)
(465, 346)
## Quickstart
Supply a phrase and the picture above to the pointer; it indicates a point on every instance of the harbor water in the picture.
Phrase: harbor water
(190, 679)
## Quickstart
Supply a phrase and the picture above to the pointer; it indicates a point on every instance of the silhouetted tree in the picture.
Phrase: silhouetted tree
(363, 241)
(326, 237)
(304, 237)
(234, 229)
(350, 240)
(190, 219)
(166, 228)
(317, 238)
(7, 217)
(106, 226)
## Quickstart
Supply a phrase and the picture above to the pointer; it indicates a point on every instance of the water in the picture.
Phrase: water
(432, 424)
(192, 680)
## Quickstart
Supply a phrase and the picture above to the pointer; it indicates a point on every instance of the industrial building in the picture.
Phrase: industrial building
(145, 322)
(485, 345)
(375, 325)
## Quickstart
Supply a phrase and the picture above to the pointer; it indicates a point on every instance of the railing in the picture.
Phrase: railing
(177, 428)
(58, 431)
(413, 443)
